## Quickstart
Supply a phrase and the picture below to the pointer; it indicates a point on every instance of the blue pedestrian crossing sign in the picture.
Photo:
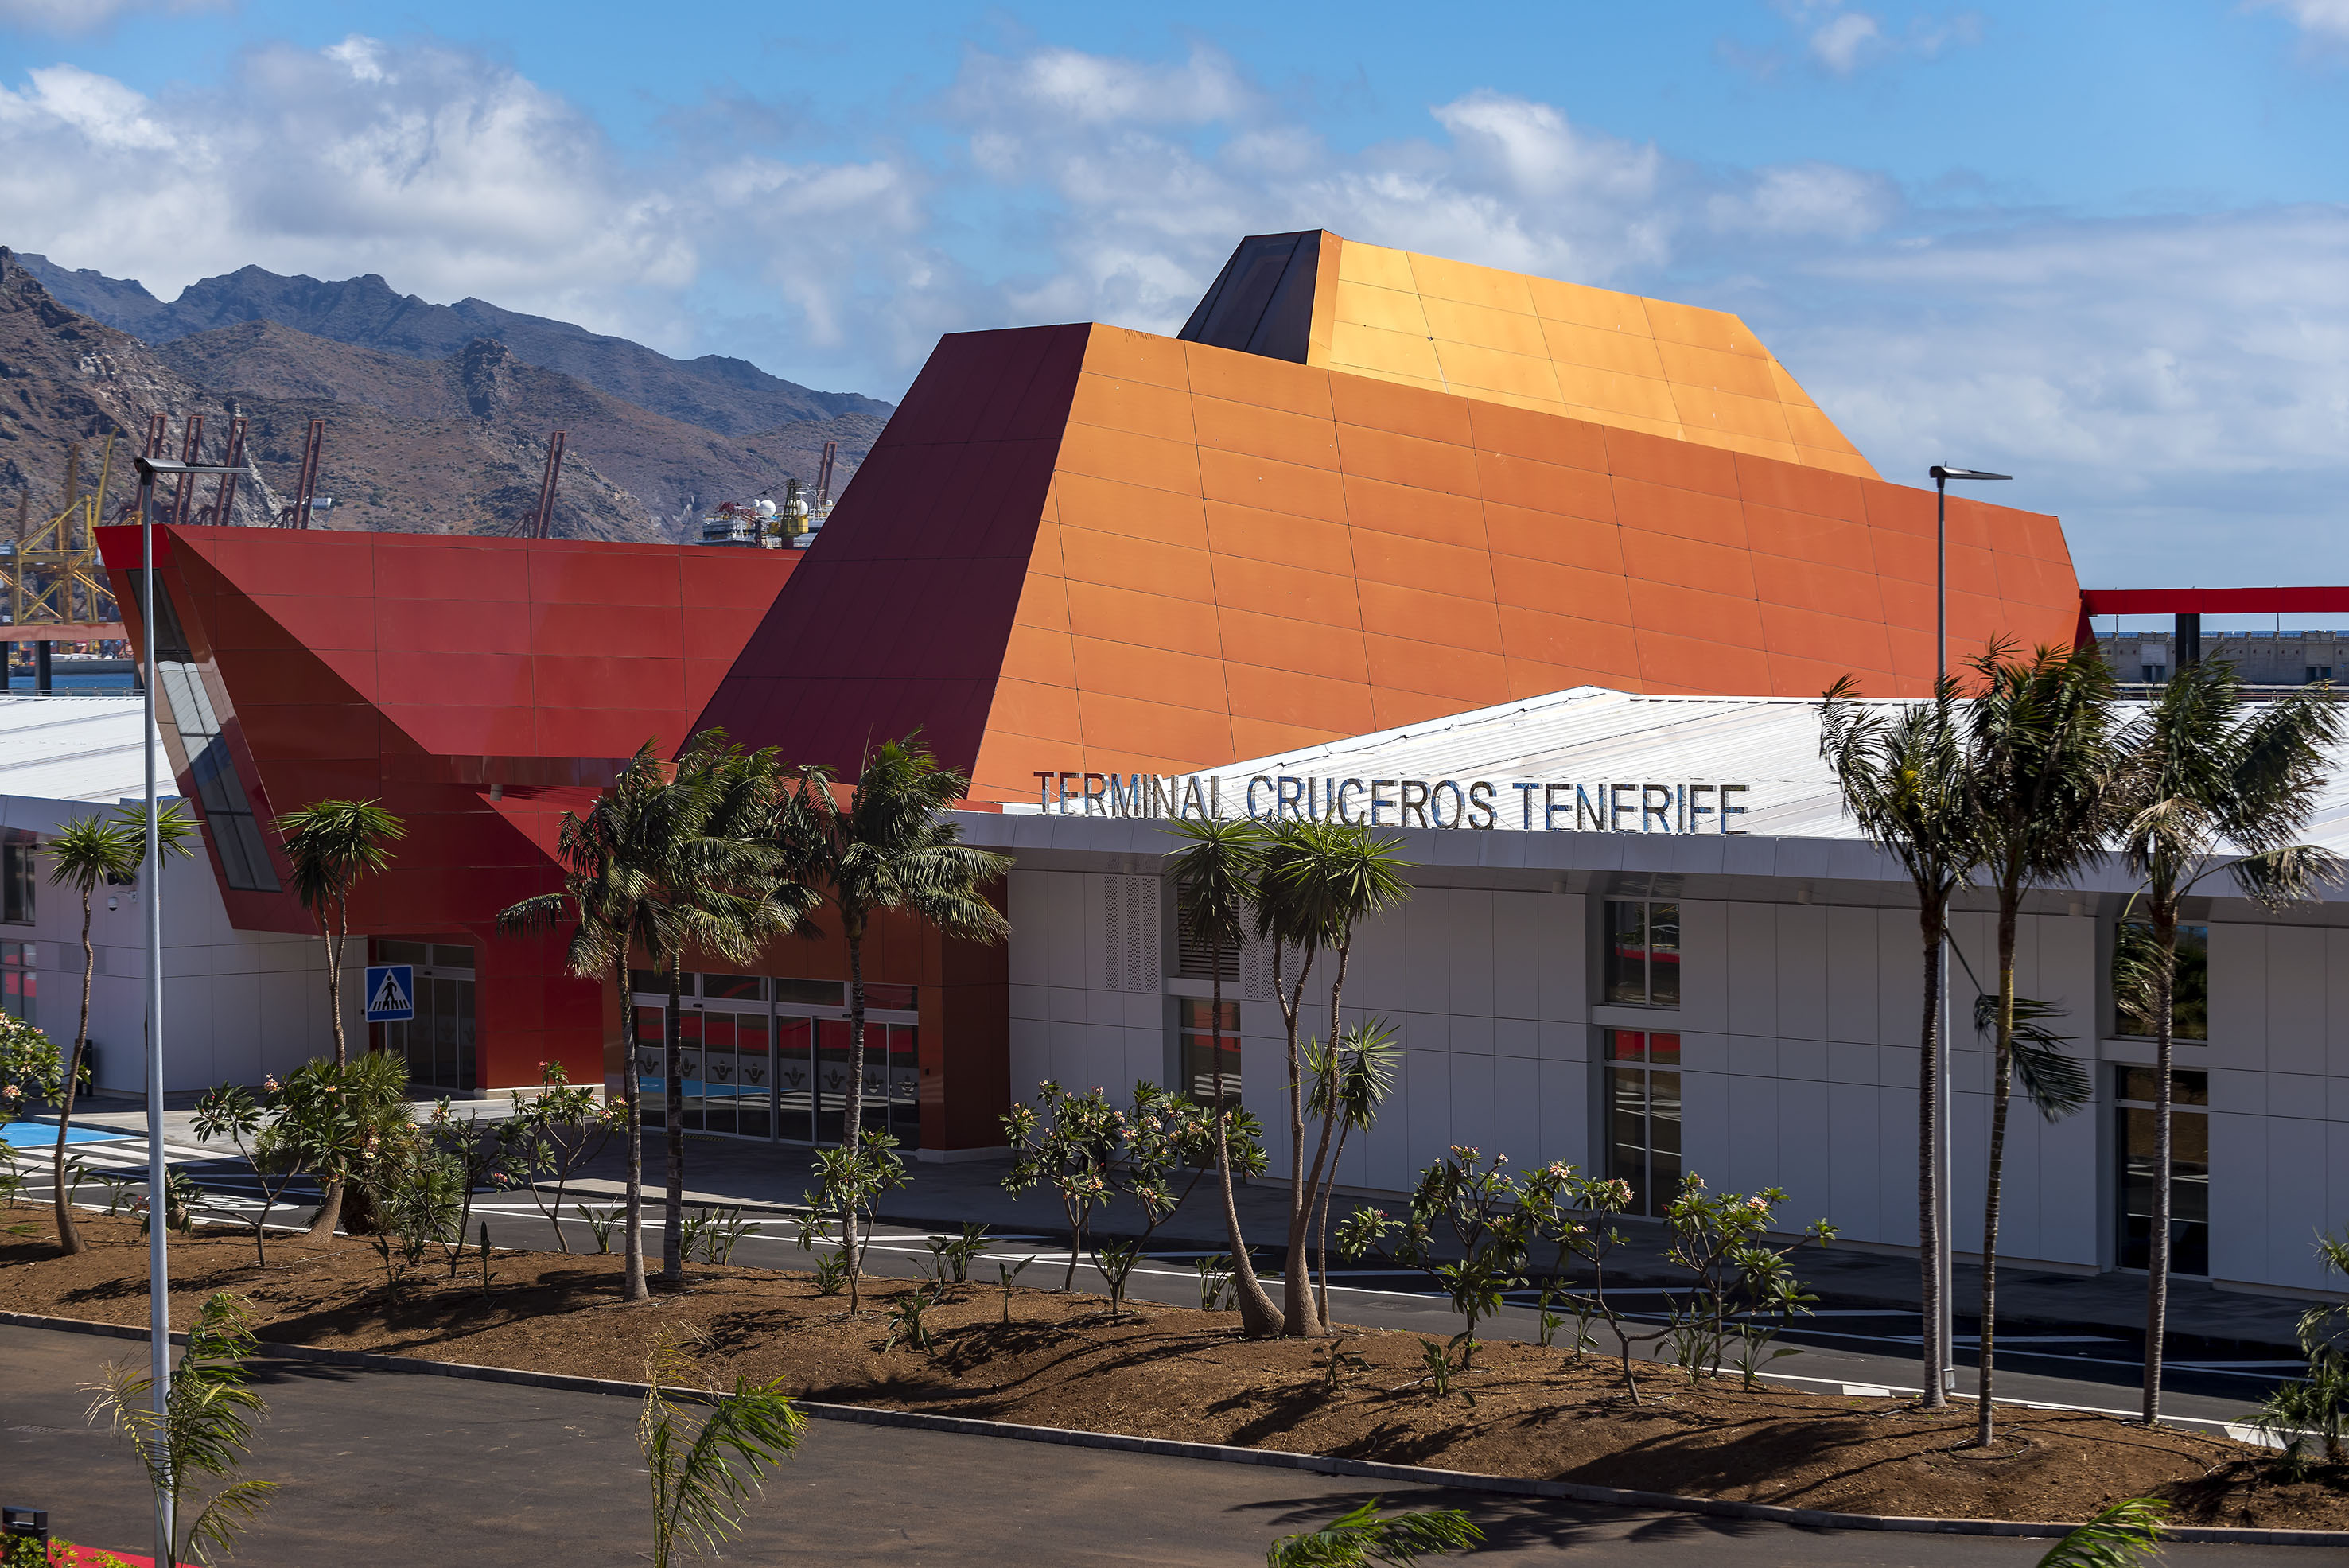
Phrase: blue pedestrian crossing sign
(390, 993)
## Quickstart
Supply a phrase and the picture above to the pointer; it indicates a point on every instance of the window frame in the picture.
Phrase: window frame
(1611, 954)
(2179, 1105)
(19, 879)
(1218, 1037)
(2112, 994)
(1652, 1189)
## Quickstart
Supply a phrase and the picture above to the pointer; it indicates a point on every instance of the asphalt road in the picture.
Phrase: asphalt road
(392, 1469)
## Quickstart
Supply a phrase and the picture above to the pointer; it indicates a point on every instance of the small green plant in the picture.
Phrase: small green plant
(2127, 1532)
(416, 1199)
(119, 1190)
(705, 1473)
(906, 1322)
(204, 1430)
(1215, 1272)
(831, 1274)
(952, 1256)
(551, 1135)
(722, 1232)
(1491, 1221)
(78, 1171)
(1362, 1535)
(849, 1183)
(1005, 1274)
(1117, 1262)
(230, 1111)
(1338, 1361)
(181, 1199)
(600, 1222)
(1437, 1359)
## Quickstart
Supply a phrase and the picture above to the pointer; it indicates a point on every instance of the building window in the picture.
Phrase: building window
(437, 1043)
(1643, 1115)
(2152, 674)
(18, 984)
(2190, 992)
(16, 881)
(2190, 1168)
(2317, 672)
(227, 809)
(1643, 953)
(1211, 1050)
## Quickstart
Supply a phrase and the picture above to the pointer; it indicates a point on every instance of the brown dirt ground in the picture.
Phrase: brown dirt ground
(1167, 1372)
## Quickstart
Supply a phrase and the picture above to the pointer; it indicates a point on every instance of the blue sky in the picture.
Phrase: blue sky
(2104, 248)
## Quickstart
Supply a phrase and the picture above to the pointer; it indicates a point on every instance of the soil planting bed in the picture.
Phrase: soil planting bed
(1164, 1372)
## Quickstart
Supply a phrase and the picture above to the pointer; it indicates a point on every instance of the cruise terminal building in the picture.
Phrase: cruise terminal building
(1547, 579)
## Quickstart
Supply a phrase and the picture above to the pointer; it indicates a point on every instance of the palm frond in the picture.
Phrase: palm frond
(2127, 1532)
(230, 1513)
(2052, 1079)
(703, 1481)
(1362, 1535)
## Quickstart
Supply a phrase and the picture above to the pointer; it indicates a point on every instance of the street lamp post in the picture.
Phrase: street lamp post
(1945, 1354)
(158, 1275)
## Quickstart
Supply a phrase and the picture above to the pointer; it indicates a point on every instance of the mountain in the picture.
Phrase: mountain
(674, 470)
(731, 396)
(65, 378)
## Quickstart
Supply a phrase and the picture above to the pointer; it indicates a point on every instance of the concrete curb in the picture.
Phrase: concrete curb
(1169, 1447)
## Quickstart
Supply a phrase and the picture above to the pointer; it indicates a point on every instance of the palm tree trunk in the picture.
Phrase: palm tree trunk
(673, 1067)
(330, 1197)
(2157, 1263)
(2001, 1076)
(632, 1242)
(1296, 1271)
(851, 1125)
(336, 941)
(69, 1239)
(1258, 1317)
(1930, 1217)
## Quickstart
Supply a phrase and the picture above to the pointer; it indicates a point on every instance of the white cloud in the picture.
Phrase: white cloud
(1842, 41)
(2324, 22)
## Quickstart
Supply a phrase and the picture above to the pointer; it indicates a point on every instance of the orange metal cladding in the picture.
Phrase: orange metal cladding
(477, 687)
(1085, 547)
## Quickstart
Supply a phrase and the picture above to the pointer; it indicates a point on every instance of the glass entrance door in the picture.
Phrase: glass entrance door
(749, 1068)
(438, 1042)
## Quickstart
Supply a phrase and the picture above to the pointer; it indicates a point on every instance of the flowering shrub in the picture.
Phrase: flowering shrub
(1089, 1152)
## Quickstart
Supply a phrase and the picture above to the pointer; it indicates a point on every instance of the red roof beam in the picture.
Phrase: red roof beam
(2214, 601)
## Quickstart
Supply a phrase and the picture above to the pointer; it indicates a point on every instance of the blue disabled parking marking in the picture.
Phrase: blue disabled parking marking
(44, 1135)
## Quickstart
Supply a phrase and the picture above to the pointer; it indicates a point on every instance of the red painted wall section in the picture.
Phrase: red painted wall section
(900, 615)
(1179, 556)
(431, 673)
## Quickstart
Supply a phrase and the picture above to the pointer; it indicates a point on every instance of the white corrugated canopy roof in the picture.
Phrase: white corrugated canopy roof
(75, 748)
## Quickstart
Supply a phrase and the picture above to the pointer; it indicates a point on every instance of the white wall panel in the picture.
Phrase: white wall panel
(1851, 975)
(2296, 990)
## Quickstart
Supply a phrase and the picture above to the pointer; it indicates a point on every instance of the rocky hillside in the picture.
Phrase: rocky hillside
(731, 396)
(675, 470)
(65, 378)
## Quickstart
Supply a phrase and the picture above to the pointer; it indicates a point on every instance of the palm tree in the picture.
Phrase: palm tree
(2039, 750)
(1318, 881)
(894, 848)
(1351, 1081)
(1363, 1535)
(1901, 777)
(1215, 886)
(713, 868)
(705, 1473)
(2201, 787)
(333, 844)
(602, 897)
(85, 852)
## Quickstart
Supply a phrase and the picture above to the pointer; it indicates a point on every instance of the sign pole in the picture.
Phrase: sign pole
(159, 1269)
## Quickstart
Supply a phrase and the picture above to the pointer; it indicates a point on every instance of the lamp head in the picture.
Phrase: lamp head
(1940, 472)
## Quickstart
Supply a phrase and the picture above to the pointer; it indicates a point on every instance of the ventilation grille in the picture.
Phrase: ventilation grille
(1129, 960)
(1247, 966)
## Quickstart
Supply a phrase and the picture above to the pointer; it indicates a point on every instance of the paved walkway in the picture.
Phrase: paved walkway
(391, 1468)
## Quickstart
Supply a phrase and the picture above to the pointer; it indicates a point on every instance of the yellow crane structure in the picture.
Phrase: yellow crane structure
(55, 584)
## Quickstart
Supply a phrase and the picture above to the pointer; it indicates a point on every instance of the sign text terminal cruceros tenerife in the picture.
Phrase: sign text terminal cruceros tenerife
(1521, 805)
